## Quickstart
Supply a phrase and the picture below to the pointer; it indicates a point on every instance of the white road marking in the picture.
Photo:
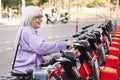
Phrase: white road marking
(70, 35)
(57, 36)
(63, 35)
(50, 38)
(7, 42)
(9, 48)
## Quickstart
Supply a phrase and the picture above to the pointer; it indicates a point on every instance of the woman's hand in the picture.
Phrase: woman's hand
(69, 45)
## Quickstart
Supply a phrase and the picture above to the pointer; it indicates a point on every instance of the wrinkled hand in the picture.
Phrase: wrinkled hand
(69, 45)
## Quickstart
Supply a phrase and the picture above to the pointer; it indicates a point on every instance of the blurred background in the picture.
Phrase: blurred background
(76, 9)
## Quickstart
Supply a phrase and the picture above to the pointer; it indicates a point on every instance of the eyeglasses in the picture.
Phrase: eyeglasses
(40, 16)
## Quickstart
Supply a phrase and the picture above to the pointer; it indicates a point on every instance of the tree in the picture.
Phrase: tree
(11, 3)
(36, 2)
(114, 2)
(42, 2)
(15, 3)
(92, 3)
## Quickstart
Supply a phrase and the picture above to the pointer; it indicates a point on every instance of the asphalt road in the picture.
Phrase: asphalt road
(48, 32)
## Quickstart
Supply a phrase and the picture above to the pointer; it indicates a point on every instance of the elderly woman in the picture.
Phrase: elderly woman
(30, 47)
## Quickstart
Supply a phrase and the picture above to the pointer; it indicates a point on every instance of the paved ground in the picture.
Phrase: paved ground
(15, 21)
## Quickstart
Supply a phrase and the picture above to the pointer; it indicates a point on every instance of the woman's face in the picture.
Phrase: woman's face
(36, 21)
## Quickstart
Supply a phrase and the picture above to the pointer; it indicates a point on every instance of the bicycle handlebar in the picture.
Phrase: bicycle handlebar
(85, 27)
(78, 34)
(50, 62)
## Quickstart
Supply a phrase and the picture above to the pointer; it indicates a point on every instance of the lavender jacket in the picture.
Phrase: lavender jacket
(32, 48)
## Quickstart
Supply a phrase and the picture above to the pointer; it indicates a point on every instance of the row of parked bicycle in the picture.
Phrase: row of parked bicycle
(96, 56)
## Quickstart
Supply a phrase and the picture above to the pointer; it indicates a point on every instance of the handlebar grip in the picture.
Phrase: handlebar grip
(91, 25)
(76, 35)
(83, 31)
(65, 40)
(50, 62)
(80, 33)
